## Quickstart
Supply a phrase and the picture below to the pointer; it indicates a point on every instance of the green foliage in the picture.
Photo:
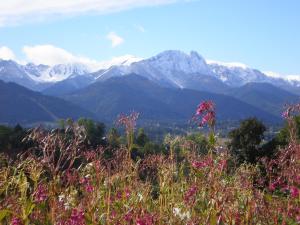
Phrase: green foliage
(281, 139)
(114, 138)
(141, 138)
(144, 147)
(246, 139)
(11, 139)
(200, 141)
(94, 130)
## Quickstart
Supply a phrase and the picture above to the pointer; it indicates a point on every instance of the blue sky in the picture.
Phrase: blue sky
(263, 34)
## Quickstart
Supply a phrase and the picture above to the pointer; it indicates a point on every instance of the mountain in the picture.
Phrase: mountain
(174, 68)
(21, 105)
(69, 85)
(10, 71)
(123, 94)
(38, 77)
(264, 96)
(237, 75)
(171, 69)
(56, 73)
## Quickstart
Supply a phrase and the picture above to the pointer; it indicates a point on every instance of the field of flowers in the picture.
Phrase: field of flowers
(60, 181)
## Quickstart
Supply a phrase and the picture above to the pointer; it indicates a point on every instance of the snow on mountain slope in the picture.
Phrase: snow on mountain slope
(171, 68)
(43, 73)
(236, 75)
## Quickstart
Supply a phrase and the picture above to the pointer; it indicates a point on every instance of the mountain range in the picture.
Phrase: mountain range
(21, 105)
(165, 87)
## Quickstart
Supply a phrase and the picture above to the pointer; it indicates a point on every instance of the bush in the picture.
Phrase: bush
(245, 141)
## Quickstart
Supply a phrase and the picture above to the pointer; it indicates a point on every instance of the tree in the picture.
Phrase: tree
(282, 138)
(141, 138)
(114, 138)
(94, 130)
(200, 141)
(245, 140)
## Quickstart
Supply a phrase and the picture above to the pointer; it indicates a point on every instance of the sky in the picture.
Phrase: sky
(262, 34)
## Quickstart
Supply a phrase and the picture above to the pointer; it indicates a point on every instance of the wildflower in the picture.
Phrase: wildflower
(147, 219)
(87, 184)
(205, 111)
(294, 191)
(127, 193)
(16, 221)
(272, 186)
(128, 121)
(189, 196)
(140, 196)
(285, 114)
(77, 217)
(182, 215)
(202, 164)
(40, 194)
(128, 216)
(222, 164)
(205, 106)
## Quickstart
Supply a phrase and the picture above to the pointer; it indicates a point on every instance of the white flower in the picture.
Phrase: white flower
(140, 196)
(182, 215)
(61, 197)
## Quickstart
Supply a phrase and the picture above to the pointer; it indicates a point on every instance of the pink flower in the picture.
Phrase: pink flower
(285, 114)
(16, 221)
(147, 219)
(206, 111)
(128, 216)
(189, 196)
(202, 164)
(87, 184)
(294, 191)
(205, 106)
(77, 218)
(272, 186)
(222, 164)
(127, 193)
(41, 194)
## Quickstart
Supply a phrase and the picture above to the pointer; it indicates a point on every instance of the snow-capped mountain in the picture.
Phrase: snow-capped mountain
(178, 69)
(170, 68)
(237, 75)
(43, 73)
(11, 71)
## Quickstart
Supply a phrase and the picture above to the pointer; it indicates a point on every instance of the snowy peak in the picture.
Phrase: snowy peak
(43, 73)
(235, 75)
(174, 60)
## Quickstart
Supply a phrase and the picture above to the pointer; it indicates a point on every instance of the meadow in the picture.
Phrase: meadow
(62, 181)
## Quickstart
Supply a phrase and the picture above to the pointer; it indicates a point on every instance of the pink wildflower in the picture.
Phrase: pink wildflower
(128, 216)
(202, 164)
(40, 194)
(189, 196)
(272, 186)
(206, 110)
(127, 193)
(294, 191)
(87, 184)
(77, 218)
(16, 221)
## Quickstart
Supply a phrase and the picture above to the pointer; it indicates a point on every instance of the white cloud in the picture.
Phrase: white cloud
(20, 11)
(6, 53)
(115, 39)
(52, 55)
